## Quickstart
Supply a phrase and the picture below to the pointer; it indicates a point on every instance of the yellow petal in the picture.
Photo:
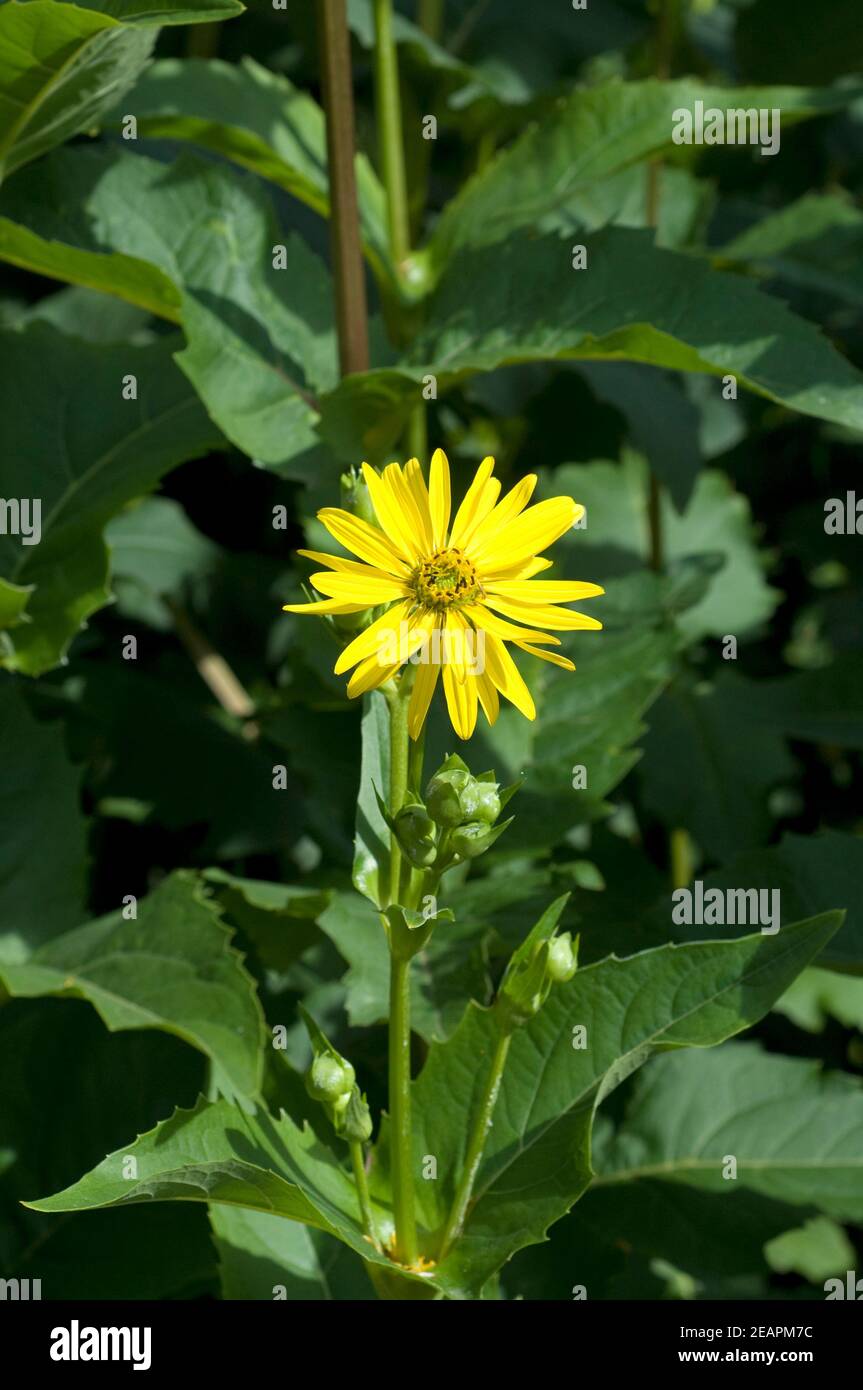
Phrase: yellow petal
(525, 569)
(424, 687)
(366, 541)
(507, 677)
(391, 515)
(415, 519)
(325, 605)
(466, 513)
(368, 676)
(413, 476)
(440, 499)
(371, 639)
(553, 657)
(351, 588)
(488, 697)
(558, 619)
(335, 562)
(543, 590)
(512, 506)
(460, 700)
(481, 616)
(529, 534)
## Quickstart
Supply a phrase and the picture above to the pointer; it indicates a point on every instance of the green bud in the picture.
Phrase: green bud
(467, 841)
(330, 1079)
(416, 835)
(562, 963)
(525, 990)
(355, 496)
(480, 801)
(443, 797)
(355, 1123)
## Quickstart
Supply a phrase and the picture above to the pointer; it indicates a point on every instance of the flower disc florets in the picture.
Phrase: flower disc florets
(446, 578)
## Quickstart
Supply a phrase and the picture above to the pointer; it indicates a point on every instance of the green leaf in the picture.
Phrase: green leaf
(259, 120)
(521, 301)
(83, 463)
(581, 744)
(60, 66)
(133, 280)
(155, 551)
(166, 11)
(819, 995)
(596, 132)
(445, 975)
(795, 1131)
(371, 872)
(218, 1153)
(715, 524)
(689, 777)
(818, 1249)
(261, 1256)
(171, 967)
(815, 242)
(812, 873)
(42, 830)
(278, 918)
(260, 340)
(536, 1162)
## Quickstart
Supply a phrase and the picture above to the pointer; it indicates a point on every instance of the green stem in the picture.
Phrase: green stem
(681, 859)
(400, 1110)
(399, 756)
(362, 1182)
(479, 1133)
(430, 17)
(347, 257)
(390, 140)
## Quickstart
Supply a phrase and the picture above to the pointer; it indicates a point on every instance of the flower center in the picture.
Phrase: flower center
(447, 577)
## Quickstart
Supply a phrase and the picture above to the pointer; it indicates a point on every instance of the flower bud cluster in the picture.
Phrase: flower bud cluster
(331, 1081)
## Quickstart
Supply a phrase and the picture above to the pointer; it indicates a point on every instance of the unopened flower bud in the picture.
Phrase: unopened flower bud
(355, 496)
(330, 1080)
(561, 965)
(467, 841)
(480, 801)
(416, 835)
(443, 797)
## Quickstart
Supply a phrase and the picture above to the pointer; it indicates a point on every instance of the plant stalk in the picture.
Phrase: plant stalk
(348, 270)
(406, 1249)
(362, 1182)
(388, 109)
(476, 1144)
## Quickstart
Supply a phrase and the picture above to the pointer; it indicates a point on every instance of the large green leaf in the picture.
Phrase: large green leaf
(815, 242)
(262, 1256)
(261, 121)
(60, 66)
(689, 776)
(594, 133)
(218, 1153)
(445, 975)
(260, 340)
(73, 441)
(537, 1158)
(166, 11)
(372, 836)
(714, 525)
(42, 830)
(795, 1131)
(521, 301)
(583, 741)
(171, 967)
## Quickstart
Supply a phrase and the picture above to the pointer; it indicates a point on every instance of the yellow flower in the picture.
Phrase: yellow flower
(454, 594)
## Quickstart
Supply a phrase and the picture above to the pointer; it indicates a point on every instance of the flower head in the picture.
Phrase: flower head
(454, 593)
